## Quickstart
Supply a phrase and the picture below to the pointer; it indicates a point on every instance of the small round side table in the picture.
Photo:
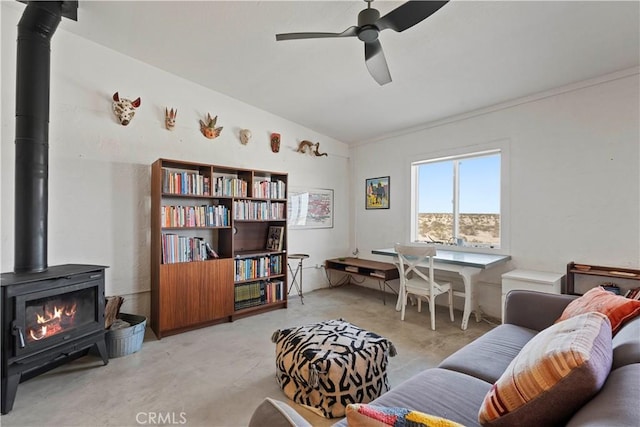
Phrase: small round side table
(296, 276)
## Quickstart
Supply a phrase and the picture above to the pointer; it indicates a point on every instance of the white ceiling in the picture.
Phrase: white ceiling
(468, 55)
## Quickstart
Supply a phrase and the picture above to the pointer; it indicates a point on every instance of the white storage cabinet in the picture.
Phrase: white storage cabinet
(541, 281)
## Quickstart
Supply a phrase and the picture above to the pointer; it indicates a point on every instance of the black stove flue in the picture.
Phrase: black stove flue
(39, 22)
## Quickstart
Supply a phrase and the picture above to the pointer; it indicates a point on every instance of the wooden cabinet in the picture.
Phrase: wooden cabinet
(582, 277)
(209, 232)
(195, 293)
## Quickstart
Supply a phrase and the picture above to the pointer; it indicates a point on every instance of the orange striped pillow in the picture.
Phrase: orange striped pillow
(554, 374)
(617, 308)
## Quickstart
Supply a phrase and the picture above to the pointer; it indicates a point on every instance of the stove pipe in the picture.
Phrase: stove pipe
(39, 21)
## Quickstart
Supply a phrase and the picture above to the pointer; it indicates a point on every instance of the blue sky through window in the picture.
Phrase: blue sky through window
(479, 186)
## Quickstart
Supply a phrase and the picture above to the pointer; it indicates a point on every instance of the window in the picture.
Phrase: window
(457, 200)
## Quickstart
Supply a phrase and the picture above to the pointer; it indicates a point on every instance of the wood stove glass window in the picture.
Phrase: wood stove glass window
(52, 315)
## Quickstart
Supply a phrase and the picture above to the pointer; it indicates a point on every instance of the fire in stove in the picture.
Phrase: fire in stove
(55, 314)
(52, 321)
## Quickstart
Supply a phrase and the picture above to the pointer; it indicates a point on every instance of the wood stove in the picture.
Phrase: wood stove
(47, 319)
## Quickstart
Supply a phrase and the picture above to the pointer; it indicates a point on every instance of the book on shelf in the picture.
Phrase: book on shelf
(351, 269)
(258, 210)
(254, 294)
(267, 189)
(195, 216)
(275, 237)
(210, 252)
(230, 187)
(188, 182)
(633, 293)
(257, 267)
(177, 248)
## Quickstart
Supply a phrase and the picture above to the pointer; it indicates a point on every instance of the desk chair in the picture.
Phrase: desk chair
(413, 281)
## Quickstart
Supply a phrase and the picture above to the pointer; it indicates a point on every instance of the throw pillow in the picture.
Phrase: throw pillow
(363, 415)
(617, 308)
(553, 375)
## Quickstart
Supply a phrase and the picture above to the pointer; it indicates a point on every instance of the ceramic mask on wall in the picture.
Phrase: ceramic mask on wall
(275, 142)
(124, 109)
(170, 118)
(245, 136)
(209, 128)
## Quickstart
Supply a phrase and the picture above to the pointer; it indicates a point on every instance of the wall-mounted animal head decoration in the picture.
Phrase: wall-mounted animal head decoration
(275, 142)
(307, 147)
(124, 109)
(209, 128)
(245, 136)
(170, 118)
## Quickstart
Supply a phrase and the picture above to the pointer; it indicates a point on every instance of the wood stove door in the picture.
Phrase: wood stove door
(49, 317)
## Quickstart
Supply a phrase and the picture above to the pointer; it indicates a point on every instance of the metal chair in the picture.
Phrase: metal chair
(413, 280)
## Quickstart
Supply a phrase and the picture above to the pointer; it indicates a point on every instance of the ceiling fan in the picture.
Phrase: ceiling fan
(369, 26)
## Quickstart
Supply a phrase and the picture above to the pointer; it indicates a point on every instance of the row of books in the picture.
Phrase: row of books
(270, 189)
(254, 210)
(185, 249)
(253, 268)
(185, 182)
(193, 183)
(230, 187)
(633, 294)
(195, 216)
(258, 293)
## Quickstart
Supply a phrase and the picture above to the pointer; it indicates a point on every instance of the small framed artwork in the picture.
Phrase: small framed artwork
(275, 238)
(377, 193)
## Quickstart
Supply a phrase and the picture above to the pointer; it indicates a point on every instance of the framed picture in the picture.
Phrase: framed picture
(275, 238)
(377, 193)
(310, 208)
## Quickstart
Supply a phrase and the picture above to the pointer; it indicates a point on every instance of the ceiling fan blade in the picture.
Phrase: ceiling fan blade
(349, 32)
(408, 15)
(376, 62)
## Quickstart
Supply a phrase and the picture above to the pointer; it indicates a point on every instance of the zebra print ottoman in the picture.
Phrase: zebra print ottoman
(327, 365)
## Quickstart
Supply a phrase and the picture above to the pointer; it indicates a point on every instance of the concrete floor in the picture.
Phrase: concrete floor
(217, 376)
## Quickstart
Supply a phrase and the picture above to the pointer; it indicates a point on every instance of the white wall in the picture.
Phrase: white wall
(99, 174)
(574, 180)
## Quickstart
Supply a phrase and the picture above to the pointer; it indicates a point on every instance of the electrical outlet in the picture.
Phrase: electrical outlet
(318, 265)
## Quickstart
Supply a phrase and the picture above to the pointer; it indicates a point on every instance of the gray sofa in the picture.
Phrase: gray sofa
(456, 388)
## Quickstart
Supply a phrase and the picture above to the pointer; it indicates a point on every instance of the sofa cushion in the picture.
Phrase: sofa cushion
(554, 374)
(440, 392)
(626, 344)
(364, 415)
(617, 403)
(488, 356)
(618, 308)
(274, 413)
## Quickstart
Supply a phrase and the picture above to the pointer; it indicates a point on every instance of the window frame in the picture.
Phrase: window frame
(497, 147)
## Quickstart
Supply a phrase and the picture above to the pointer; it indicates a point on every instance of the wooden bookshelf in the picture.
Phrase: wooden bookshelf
(207, 221)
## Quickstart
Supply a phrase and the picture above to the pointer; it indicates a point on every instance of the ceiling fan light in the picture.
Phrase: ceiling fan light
(368, 34)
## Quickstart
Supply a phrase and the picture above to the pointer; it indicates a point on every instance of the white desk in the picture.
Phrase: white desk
(467, 265)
